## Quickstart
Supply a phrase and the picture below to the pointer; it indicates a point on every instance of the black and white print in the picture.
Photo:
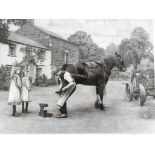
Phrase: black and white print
(76, 76)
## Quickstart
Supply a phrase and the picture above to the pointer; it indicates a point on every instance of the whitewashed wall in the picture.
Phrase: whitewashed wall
(9, 60)
(46, 64)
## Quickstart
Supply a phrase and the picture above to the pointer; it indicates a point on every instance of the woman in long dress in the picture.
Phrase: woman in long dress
(26, 91)
(15, 90)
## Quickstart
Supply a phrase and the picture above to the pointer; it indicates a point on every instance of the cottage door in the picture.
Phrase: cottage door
(32, 72)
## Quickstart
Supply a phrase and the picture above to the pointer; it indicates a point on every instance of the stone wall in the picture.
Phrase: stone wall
(58, 48)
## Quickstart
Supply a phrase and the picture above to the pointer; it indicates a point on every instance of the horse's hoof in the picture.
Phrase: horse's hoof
(96, 105)
(101, 106)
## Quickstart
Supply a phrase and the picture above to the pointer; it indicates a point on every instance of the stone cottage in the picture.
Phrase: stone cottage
(62, 50)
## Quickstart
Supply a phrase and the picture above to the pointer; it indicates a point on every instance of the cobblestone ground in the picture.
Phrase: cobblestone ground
(120, 115)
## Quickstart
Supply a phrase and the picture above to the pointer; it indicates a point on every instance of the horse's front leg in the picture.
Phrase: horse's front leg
(97, 97)
(101, 90)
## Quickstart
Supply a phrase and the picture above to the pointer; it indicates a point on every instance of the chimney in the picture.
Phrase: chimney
(30, 21)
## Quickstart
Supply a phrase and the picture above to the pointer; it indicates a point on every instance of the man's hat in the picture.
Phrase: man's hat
(56, 70)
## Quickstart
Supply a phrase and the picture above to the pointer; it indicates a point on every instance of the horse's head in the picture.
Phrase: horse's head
(119, 62)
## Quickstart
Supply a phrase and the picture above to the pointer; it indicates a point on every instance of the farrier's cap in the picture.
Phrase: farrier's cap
(56, 70)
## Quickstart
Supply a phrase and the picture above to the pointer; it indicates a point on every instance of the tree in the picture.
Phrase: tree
(137, 47)
(143, 46)
(4, 78)
(4, 27)
(111, 49)
(140, 34)
(147, 66)
(89, 51)
(125, 49)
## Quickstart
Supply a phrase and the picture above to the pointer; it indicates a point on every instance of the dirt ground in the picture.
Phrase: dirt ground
(120, 116)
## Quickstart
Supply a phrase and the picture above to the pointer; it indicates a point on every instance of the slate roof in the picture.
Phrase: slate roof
(24, 40)
(52, 34)
(49, 32)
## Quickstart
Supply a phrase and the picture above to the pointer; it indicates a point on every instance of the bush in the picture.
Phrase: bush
(4, 79)
(127, 75)
(114, 75)
(53, 81)
(147, 67)
(43, 81)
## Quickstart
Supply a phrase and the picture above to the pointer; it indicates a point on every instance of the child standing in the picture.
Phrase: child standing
(15, 89)
(26, 91)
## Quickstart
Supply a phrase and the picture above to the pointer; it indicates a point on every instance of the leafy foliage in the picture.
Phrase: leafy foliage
(111, 49)
(147, 67)
(4, 27)
(43, 81)
(89, 51)
(4, 78)
(137, 47)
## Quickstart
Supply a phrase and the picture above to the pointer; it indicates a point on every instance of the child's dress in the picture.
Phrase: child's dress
(26, 89)
(15, 91)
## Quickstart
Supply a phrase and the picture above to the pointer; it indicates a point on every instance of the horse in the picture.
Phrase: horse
(95, 74)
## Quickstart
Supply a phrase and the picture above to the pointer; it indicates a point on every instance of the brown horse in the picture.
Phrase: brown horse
(96, 74)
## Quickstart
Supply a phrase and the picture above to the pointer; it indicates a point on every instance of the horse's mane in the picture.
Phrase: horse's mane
(106, 62)
(107, 58)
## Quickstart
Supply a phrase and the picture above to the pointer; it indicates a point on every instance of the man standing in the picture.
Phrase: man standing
(67, 86)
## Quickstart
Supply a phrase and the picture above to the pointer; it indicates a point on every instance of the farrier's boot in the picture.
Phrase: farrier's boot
(64, 108)
(62, 115)
(101, 106)
(63, 112)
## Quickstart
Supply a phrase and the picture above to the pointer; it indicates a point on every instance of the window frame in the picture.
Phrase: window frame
(40, 73)
(10, 68)
(28, 53)
(66, 54)
(12, 50)
(41, 55)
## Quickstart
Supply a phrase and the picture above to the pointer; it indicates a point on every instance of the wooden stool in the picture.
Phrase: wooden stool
(43, 112)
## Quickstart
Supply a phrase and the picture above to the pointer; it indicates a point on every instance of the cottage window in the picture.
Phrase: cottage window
(28, 53)
(39, 72)
(66, 56)
(41, 55)
(50, 43)
(12, 50)
(8, 69)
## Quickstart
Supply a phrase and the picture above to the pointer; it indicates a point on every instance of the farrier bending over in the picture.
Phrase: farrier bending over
(67, 86)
